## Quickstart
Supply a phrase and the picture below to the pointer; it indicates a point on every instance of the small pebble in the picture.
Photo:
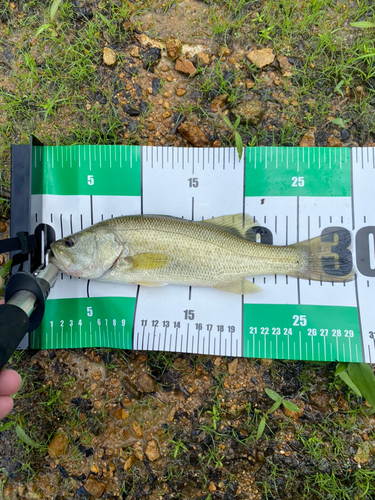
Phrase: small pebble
(344, 135)
(98, 405)
(109, 56)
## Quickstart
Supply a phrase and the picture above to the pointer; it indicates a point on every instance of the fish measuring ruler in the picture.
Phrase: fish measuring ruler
(294, 194)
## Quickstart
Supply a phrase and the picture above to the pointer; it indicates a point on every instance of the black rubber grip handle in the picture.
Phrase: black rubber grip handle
(14, 324)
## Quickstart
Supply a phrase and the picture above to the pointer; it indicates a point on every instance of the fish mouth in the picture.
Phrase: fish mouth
(58, 260)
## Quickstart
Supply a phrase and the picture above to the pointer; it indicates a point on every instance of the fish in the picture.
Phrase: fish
(157, 250)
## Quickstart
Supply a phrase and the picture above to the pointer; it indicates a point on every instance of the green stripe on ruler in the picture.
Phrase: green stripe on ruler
(303, 332)
(298, 171)
(87, 170)
(86, 322)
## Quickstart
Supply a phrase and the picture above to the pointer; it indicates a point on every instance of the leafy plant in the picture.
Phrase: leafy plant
(360, 378)
(25, 438)
(237, 137)
(178, 446)
(363, 24)
(52, 14)
(340, 122)
(279, 400)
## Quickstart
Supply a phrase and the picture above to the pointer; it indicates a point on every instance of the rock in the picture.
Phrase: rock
(173, 48)
(166, 114)
(285, 66)
(194, 135)
(135, 52)
(145, 383)
(363, 454)
(58, 444)
(232, 366)
(171, 414)
(155, 85)
(137, 450)
(308, 140)
(120, 414)
(152, 450)
(150, 58)
(3, 227)
(333, 142)
(94, 487)
(98, 405)
(203, 59)
(109, 56)
(129, 462)
(344, 135)
(129, 110)
(223, 51)
(133, 126)
(94, 469)
(2, 260)
(185, 66)
(8, 492)
(266, 362)
(145, 41)
(250, 112)
(143, 106)
(96, 375)
(137, 429)
(360, 93)
(180, 92)
(321, 401)
(249, 84)
(219, 101)
(211, 487)
(261, 57)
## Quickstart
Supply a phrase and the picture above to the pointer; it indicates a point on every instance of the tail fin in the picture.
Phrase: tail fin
(327, 257)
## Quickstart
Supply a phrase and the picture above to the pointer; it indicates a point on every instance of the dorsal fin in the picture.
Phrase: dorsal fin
(237, 224)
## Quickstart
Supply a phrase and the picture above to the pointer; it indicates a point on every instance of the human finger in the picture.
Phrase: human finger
(10, 382)
(6, 406)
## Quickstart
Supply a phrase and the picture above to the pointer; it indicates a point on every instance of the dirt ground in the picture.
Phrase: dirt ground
(100, 423)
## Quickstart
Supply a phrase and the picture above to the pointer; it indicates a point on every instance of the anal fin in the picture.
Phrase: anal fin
(240, 287)
(150, 283)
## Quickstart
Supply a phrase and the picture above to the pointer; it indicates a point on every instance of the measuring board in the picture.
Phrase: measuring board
(293, 193)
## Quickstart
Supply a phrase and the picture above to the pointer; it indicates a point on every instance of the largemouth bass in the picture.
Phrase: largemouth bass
(160, 250)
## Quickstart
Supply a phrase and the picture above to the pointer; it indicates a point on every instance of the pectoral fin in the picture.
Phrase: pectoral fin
(148, 261)
(238, 224)
(240, 287)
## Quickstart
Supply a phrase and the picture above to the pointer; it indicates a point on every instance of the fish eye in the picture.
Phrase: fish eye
(69, 242)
